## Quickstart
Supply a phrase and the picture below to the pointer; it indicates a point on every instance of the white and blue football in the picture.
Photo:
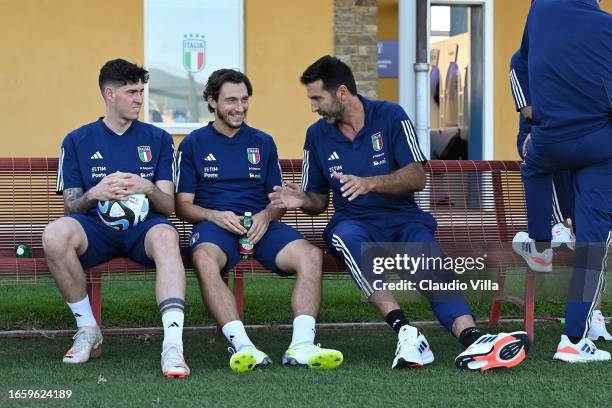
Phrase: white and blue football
(122, 215)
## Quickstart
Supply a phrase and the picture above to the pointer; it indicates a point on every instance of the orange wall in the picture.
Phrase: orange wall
(509, 21)
(282, 39)
(53, 50)
(388, 88)
(52, 54)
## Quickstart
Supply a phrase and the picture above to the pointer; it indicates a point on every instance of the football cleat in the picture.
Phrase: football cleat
(597, 329)
(248, 359)
(312, 356)
(583, 352)
(561, 235)
(173, 363)
(525, 247)
(87, 341)
(502, 350)
(412, 349)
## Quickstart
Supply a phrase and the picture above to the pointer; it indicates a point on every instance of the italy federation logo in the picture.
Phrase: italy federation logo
(194, 49)
(194, 238)
(377, 142)
(144, 153)
(253, 155)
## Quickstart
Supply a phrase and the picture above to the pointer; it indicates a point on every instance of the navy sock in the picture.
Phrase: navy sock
(469, 336)
(574, 339)
(542, 245)
(396, 319)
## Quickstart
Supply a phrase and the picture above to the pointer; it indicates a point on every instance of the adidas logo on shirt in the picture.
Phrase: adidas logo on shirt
(210, 157)
(334, 156)
(96, 155)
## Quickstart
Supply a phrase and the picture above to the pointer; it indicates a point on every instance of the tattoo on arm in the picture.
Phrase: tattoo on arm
(75, 202)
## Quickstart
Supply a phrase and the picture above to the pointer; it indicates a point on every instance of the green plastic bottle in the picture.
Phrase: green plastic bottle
(23, 251)
(245, 248)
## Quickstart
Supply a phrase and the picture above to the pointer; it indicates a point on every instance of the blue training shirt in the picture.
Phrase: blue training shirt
(568, 46)
(228, 173)
(386, 143)
(91, 152)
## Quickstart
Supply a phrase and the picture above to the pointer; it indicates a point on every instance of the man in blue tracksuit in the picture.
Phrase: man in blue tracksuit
(366, 153)
(568, 47)
(563, 200)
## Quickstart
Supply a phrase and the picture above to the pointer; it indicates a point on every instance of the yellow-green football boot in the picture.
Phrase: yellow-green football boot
(312, 356)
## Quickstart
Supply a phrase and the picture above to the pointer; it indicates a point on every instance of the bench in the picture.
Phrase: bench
(479, 206)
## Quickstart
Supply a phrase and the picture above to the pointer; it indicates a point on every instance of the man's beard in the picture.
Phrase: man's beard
(223, 118)
(335, 114)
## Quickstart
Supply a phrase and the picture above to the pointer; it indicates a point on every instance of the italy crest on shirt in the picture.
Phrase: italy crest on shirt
(144, 153)
(377, 142)
(253, 155)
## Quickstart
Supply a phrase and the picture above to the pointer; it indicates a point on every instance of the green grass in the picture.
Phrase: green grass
(267, 301)
(130, 365)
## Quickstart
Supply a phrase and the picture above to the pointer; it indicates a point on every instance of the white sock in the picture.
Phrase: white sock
(173, 321)
(303, 330)
(82, 312)
(234, 333)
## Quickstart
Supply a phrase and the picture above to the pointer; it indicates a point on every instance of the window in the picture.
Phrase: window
(185, 41)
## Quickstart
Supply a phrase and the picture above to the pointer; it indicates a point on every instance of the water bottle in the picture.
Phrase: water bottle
(244, 246)
(23, 251)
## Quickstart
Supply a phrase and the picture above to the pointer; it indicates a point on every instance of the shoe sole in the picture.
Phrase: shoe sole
(402, 363)
(573, 359)
(245, 361)
(512, 350)
(319, 361)
(176, 375)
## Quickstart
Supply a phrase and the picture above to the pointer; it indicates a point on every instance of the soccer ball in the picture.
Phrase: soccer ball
(122, 215)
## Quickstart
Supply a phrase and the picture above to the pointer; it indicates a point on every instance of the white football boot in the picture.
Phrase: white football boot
(583, 352)
(525, 247)
(561, 235)
(173, 363)
(412, 349)
(597, 329)
(87, 341)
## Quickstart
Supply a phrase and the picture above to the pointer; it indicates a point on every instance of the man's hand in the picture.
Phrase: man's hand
(290, 196)
(109, 188)
(525, 143)
(261, 221)
(228, 221)
(353, 186)
(132, 183)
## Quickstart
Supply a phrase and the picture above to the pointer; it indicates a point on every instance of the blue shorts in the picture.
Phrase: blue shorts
(105, 243)
(345, 236)
(274, 240)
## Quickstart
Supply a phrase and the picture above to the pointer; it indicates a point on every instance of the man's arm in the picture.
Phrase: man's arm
(75, 202)
(408, 179)
(193, 213)
(291, 196)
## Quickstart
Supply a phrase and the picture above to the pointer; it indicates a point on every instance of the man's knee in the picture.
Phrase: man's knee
(310, 259)
(207, 261)
(302, 257)
(61, 236)
(162, 239)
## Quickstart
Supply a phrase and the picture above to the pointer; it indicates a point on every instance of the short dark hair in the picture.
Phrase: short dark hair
(332, 72)
(119, 72)
(221, 76)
